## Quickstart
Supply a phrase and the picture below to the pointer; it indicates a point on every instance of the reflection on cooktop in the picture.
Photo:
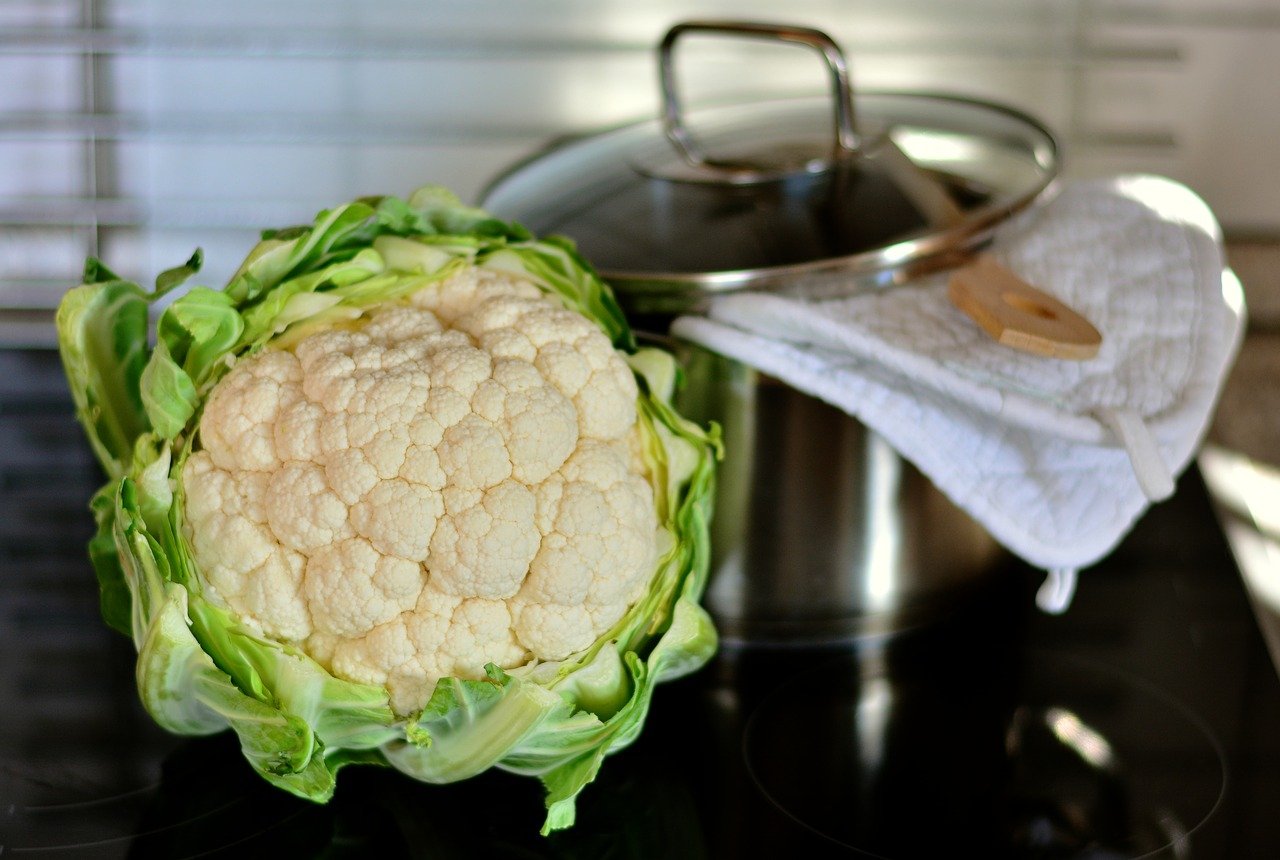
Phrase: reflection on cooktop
(1144, 722)
(1046, 760)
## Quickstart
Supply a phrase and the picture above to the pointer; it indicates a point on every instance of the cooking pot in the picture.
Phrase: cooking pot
(822, 531)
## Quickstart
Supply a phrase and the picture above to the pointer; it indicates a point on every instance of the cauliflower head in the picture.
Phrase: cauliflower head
(452, 482)
(403, 492)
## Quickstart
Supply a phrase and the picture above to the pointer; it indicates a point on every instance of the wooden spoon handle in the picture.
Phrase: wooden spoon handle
(1018, 315)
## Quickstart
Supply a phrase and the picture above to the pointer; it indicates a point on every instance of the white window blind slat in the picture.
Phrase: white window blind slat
(139, 128)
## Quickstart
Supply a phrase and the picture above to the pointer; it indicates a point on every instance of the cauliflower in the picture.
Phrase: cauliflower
(403, 492)
(451, 483)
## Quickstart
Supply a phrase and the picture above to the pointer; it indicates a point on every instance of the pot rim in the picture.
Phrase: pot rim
(908, 256)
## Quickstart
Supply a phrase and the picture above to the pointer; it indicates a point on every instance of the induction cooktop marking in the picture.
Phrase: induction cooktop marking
(255, 835)
(40, 808)
(122, 839)
(1081, 738)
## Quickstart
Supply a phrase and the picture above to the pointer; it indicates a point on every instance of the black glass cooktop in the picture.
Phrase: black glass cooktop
(1144, 722)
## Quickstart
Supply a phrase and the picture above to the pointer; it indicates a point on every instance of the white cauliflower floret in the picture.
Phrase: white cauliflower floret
(485, 549)
(239, 420)
(407, 535)
(303, 512)
(446, 483)
(352, 588)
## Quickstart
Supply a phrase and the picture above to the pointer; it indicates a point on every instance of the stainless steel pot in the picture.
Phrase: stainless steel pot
(822, 531)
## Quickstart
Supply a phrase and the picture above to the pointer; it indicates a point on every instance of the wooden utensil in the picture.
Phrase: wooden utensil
(1018, 315)
(1002, 304)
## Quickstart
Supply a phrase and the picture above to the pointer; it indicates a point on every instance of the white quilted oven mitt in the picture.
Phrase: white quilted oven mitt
(1056, 458)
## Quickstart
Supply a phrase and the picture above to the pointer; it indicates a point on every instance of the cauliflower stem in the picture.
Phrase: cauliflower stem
(404, 492)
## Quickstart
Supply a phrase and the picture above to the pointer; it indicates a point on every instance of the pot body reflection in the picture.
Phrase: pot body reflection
(822, 531)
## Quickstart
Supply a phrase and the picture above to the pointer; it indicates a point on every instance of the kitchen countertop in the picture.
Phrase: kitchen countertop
(1248, 417)
(1158, 661)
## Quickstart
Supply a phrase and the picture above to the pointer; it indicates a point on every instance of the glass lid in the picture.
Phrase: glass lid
(761, 194)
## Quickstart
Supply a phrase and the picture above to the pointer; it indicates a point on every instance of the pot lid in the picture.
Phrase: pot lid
(761, 194)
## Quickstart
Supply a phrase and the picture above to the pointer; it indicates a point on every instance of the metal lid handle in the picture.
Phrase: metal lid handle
(846, 138)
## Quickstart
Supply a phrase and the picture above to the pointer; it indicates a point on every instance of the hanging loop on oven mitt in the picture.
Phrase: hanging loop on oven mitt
(1056, 458)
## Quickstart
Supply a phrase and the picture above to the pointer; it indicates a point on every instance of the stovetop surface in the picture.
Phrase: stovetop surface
(1144, 722)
